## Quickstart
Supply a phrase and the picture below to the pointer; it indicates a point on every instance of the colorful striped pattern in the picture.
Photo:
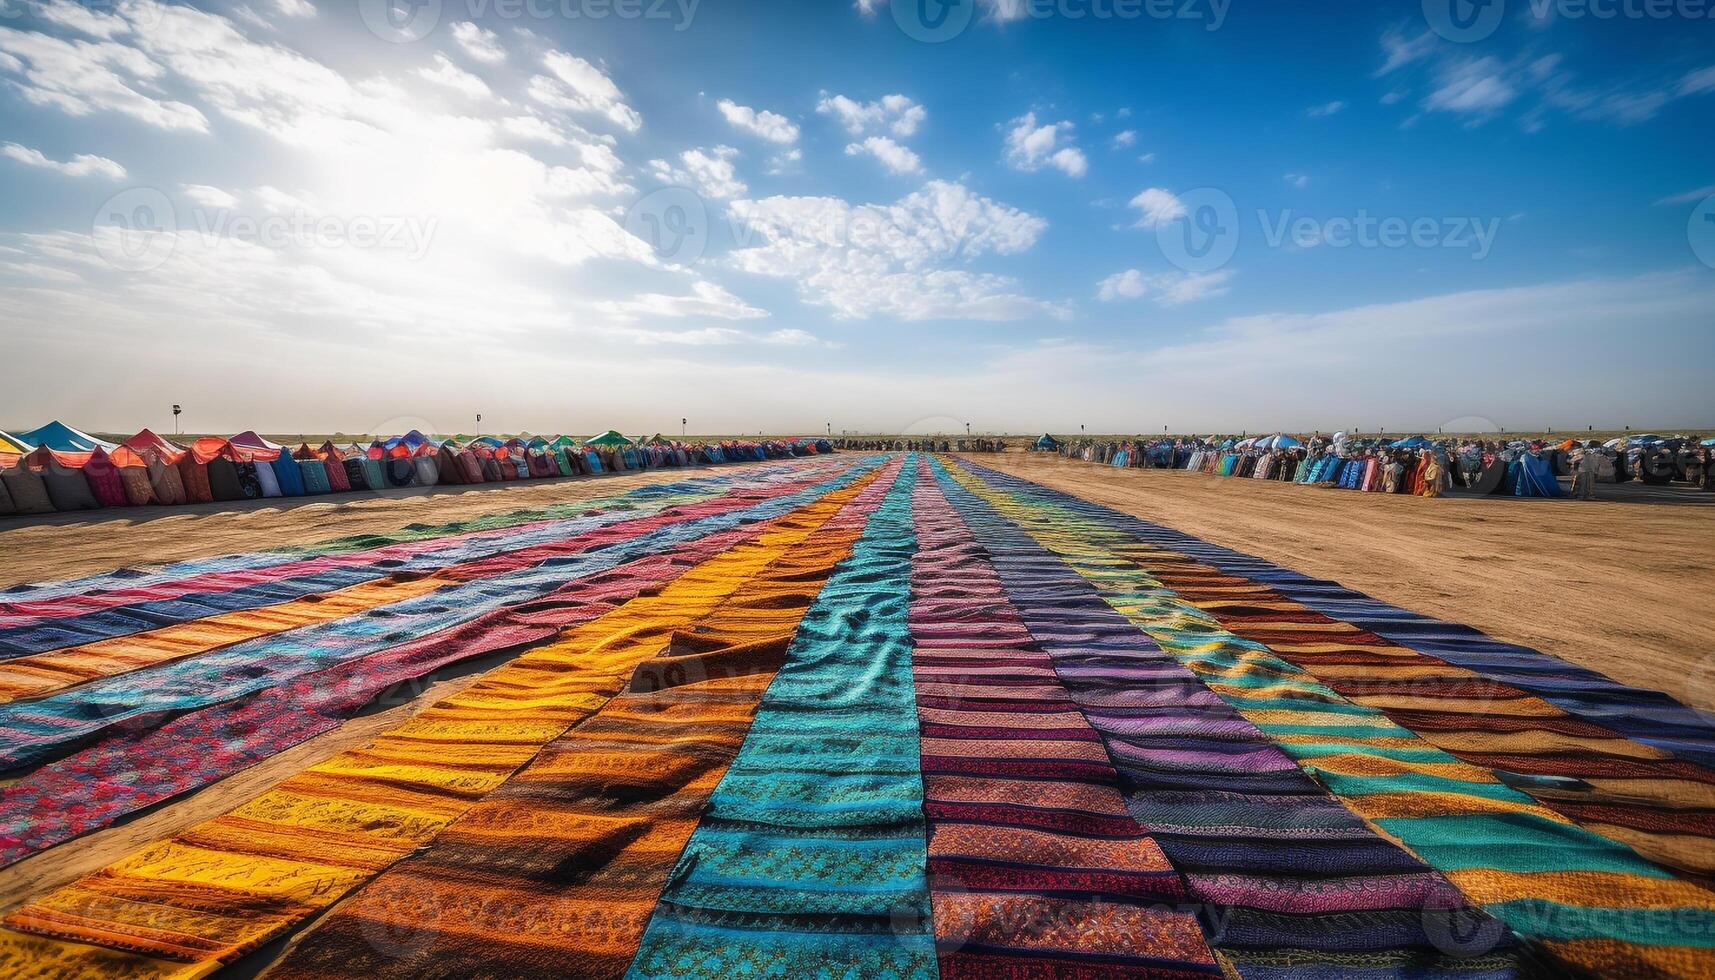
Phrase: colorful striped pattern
(878, 716)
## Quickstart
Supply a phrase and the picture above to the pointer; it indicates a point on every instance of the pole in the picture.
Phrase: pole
(682, 424)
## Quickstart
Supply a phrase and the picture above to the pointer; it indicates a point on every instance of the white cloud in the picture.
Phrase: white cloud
(578, 86)
(1146, 158)
(897, 159)
(1689, 197)
(893, 260)
(480, 43)
(1701, 80)
(1476, 86)
(895, 114)
(77, 17)
(1402, 51)
(1299, 181)
(709, 172)
(1325, 109)
(1166, 288)
(210, 197)
(452, 76)
(301, 9)
(1157, 206)
(535, 129)
(1129, 284)
(1030, 147)
(706, 299)
(1125, 138)
(82, 77)
(81, 165)
(770, 126)
(793, 337)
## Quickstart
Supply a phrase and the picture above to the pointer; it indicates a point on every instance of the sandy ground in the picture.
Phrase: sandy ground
(1625, 588)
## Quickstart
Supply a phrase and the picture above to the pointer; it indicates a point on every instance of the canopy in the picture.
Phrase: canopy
(10, 443)
(609, 440)
(1278, 442)
(62, 438)
(1414, 442)
(251, 445)
(146, 442)
(411, 441)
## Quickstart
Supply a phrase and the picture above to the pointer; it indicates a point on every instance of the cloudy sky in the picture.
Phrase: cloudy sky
(303, 215)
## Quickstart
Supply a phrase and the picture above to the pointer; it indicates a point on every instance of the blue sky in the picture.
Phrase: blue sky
(297, 215)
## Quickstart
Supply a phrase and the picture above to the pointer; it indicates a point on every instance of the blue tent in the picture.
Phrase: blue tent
(1414, 442)
(1278, 442)
(1047, 443)
(412, 441)
(62, 438)
(1532, 476)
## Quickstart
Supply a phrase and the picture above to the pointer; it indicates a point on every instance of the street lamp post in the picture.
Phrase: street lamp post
(176, 411)
(682, 424)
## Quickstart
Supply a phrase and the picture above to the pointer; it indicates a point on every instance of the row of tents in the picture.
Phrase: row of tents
(57, 468)
(1515, 468)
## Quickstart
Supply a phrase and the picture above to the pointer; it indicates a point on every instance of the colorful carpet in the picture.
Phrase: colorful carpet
(850, 717)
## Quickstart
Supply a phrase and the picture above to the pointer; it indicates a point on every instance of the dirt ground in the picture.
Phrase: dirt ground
(1626, 588)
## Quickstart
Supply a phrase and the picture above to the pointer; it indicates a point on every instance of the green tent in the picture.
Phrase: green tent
(609, 440)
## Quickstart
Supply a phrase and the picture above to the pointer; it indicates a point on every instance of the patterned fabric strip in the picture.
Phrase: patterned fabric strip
(96, 786)
(44, 673)
(25, 603)
(223, 887)
(1289, 880)
(1660, 806)
(32, 731)
(142, 600)
(555, 872)
(1035, 866)
(810, 859)
(1532, 868)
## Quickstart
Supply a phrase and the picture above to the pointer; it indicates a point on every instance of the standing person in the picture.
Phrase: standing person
(1584, 478)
